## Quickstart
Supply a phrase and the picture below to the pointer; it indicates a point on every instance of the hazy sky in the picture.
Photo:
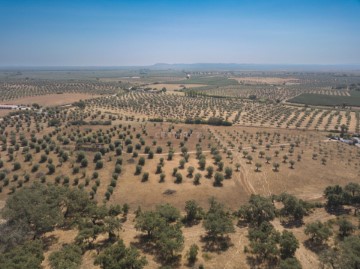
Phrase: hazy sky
(135, 32)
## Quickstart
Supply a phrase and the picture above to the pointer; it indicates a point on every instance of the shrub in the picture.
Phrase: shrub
(141, 161)
(76, 169)
(35, 168)
(158, 169)
(138, 169)
(145, 177)
(228, 172)
(162, 178)
(218, 179)
(16, 166)
(178, 178)
(192, 253)
(84, 162)
(99, 164)
(117, 168)
(51, 168)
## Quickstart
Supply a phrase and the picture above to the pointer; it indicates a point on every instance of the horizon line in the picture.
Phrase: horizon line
(194, 63)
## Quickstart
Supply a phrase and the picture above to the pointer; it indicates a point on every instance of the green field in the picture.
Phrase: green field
(213, 81)
(327, 100)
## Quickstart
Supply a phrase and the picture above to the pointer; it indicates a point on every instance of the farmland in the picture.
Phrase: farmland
(11, 90)
(173, 177)
(353, 99)
(242, 112)
(209, 80)
(180, 134)
(51, 99)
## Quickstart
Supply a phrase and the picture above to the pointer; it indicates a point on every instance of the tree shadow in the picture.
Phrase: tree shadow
(49, 240)
(189, 224)
(292, 223)
(216, 244)
(145, 244)
(242, 223)
(104, 243)
(338, 211)
(173, 262)
(315, 246)
(191, 264)
(253, 262)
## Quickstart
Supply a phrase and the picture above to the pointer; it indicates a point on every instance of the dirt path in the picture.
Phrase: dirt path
(239, 247)
(242, 178)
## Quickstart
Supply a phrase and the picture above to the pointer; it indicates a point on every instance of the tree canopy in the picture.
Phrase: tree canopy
(28, 255)
(36, 209)
(258, 210)
(69, 257)
(217, 221)
(118, 256)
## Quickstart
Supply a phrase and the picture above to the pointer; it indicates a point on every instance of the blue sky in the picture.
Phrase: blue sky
(140, 32)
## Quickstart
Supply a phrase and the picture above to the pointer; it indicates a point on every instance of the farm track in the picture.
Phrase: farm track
(238, 246)
(242, 179)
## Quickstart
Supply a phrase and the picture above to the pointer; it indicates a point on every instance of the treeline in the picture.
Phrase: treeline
(193, 93)
(156, 119)
(96, 122)
(211, 121)
(32, 211)
(338, 196)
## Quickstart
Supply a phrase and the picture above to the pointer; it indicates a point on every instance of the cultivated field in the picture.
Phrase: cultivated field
(241, 112)
(265, 80)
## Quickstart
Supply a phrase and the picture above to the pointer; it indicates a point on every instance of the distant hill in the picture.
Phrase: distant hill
(195, 67)
(253, 67)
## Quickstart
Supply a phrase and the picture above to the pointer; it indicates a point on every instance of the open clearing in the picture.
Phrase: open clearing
(51, 99)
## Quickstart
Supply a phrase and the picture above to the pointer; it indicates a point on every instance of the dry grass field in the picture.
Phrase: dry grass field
(51, 99)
